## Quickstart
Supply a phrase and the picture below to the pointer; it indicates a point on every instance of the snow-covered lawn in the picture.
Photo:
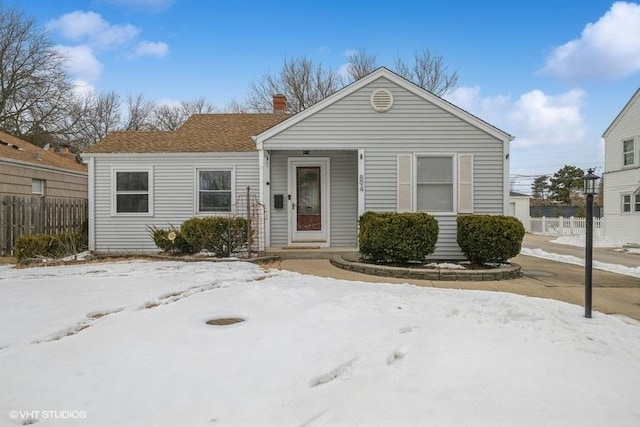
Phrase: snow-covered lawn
(126, 344)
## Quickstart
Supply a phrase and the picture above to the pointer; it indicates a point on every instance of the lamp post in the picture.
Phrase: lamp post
(590, 186)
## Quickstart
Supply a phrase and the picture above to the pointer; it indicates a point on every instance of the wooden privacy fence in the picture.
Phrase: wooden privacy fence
(22, 215)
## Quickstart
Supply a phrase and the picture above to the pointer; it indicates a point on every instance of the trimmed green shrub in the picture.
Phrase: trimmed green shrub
(397, 237)
(170, 240)
(49, 245)
(490, 238)
(223, 236)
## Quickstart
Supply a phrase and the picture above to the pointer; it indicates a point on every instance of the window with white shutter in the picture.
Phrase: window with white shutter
(465, 183)
(405, 187)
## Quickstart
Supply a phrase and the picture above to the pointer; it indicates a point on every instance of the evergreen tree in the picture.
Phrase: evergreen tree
(565, 183)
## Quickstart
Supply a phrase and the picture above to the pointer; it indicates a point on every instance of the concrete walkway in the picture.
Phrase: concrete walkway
(612, 293)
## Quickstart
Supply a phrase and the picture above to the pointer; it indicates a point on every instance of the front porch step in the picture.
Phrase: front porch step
(311, 252)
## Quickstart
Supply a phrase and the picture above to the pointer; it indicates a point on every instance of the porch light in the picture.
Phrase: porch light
(590, 183)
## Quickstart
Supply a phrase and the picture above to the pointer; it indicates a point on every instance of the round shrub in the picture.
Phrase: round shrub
(490, 238)
(223, 236)
(397, 237)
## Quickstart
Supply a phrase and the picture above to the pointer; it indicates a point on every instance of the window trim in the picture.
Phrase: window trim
(42, 182)
(622, 203)
(196, 196)
(632, 152)
(114, 192)
(454, 182)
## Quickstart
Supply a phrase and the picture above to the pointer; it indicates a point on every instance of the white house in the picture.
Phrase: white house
(621, 177)
(380, 144)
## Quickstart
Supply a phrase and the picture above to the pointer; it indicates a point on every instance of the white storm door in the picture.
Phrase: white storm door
(309, 201)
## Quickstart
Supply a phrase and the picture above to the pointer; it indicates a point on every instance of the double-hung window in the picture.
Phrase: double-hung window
(626, 203)
(215, 190)
(628, 153)
(636, 202)
(434, 184)
(132, 191)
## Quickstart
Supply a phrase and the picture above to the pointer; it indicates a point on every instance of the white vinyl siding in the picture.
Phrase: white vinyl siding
(621, 179)
(174, 182)
(412, 125)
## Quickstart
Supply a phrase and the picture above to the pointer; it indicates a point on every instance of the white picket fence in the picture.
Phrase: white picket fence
(561, 226)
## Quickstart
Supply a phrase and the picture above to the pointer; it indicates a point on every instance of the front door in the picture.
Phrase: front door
(309, 201)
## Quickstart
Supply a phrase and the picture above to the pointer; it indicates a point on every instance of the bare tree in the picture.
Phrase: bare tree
(91, 117)
(428, 71)
(34, 86)
(300, 80)
(237, 107)
(171, 117)
(139, 113)
(361, 63)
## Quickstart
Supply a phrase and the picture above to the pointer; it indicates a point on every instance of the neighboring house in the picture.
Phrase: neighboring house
(519, 207)
(379, 144)
(622, 174)
(28, 170)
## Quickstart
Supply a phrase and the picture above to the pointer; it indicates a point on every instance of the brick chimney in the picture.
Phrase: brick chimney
(279, 104)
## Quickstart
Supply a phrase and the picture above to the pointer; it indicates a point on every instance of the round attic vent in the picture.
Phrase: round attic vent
(381, 100)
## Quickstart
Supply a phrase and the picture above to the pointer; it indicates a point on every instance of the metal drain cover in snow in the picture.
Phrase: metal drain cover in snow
(224, 321)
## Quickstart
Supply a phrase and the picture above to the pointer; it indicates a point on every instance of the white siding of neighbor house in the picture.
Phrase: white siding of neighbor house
(412, 126)
(343, 196)
(174, 193)
(620, 179)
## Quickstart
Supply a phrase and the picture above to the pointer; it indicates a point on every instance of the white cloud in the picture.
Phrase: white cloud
(81, 62)
(535, 118)
(146, 48)
(90, 28)
(607, 49)
(549, 120)
(82, 88)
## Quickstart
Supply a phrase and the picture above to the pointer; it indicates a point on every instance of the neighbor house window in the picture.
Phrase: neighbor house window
(636, 202)
(37, 186)
(627, 152)
(132, 191)
(434, 184)
(215, 190)
(626, 203)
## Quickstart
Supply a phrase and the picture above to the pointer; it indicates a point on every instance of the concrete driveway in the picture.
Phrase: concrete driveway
(612, 293)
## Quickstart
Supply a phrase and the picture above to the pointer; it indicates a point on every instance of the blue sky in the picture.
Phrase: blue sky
(552, 73)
